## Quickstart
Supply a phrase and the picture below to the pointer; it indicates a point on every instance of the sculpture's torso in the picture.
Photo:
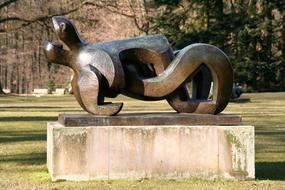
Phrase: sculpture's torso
(148, 55)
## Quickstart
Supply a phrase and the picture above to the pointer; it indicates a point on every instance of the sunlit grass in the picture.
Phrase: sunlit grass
(23, 143)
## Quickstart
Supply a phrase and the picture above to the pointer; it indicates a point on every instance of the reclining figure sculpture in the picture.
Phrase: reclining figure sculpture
(145, 68)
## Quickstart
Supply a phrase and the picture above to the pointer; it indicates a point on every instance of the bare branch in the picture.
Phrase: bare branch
(110, 8)
(6, 3)
(37, 19)
(13, 19)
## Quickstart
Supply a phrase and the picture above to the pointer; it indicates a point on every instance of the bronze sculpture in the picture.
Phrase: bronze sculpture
(145, 68)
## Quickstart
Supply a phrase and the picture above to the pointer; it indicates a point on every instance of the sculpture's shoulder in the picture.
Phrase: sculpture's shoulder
(157, 43)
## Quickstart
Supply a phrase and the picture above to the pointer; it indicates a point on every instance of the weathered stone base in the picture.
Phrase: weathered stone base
(135, 152)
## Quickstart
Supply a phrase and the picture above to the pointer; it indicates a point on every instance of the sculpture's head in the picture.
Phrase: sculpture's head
(68, 35)
(66, 32)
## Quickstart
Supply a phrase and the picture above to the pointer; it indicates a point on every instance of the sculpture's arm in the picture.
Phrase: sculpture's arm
(101, 61)
(88, 85)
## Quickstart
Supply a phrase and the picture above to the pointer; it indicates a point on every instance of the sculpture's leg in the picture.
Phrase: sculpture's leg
(189, 105)
(88, 85)
(181, 70)
(201, 84)
(198, 101)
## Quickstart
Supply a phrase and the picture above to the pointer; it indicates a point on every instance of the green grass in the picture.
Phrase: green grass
(23, 143)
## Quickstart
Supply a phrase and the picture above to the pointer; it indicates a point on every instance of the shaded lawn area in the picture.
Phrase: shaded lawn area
(23, 143)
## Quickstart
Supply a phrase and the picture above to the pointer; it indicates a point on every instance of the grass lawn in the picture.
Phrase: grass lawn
(23, 144)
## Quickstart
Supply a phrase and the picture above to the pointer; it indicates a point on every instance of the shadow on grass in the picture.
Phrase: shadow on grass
(35, 107)
(45, 110)
(270, 170)
(240, 100)
(26, 159)
(28, 118)
(8, 137)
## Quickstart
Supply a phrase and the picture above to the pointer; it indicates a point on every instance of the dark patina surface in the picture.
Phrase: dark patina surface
(145, 68)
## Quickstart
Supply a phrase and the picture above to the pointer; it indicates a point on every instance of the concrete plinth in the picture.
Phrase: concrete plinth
(152, 151)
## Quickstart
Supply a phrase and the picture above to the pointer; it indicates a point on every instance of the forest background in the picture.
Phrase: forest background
(251, 32)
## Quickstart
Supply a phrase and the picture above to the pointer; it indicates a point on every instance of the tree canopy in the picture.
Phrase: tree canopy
(251, 32)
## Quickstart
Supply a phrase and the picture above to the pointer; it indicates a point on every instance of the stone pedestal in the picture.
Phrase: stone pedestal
(77, 150)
